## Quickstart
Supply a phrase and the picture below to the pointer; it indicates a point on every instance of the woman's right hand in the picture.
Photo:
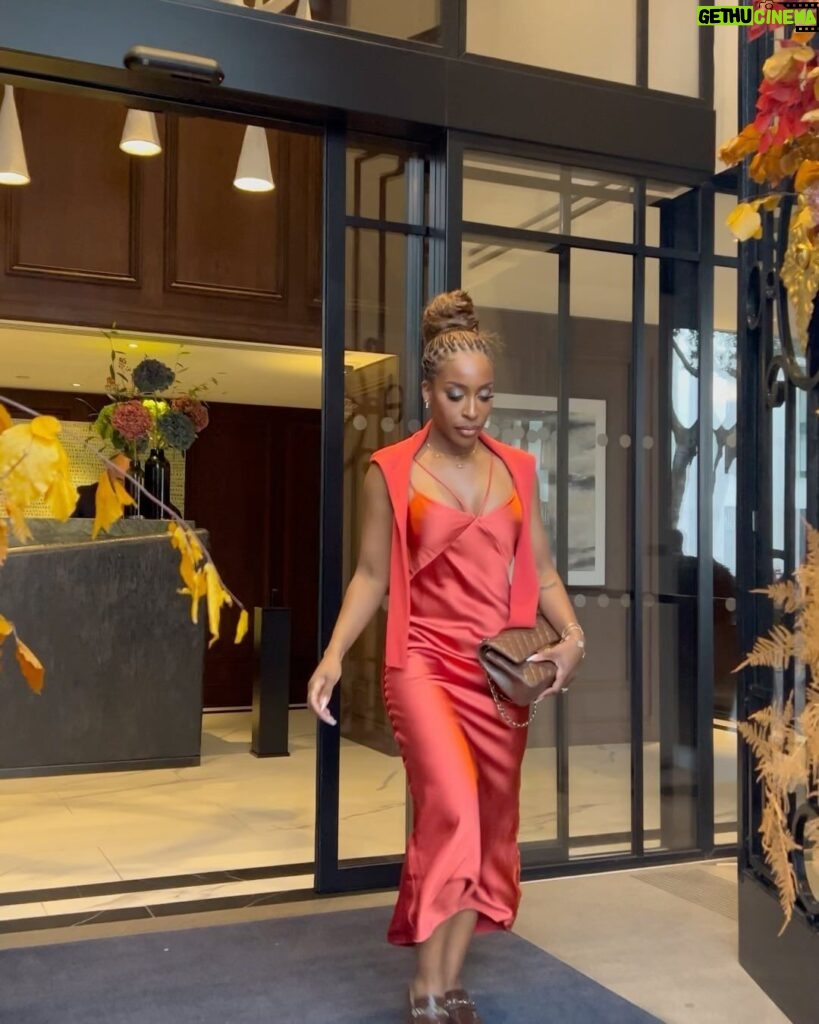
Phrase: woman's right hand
(320, 688)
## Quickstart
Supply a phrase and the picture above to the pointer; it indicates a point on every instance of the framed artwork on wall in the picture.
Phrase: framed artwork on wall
(529, 422)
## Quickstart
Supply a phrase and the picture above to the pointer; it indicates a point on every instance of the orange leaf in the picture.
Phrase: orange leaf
(6, 628)
(741, 145)
(5, 419)
(30, 666)
(241, 627)
(4, 542)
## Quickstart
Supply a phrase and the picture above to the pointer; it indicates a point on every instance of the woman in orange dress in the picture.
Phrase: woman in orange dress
(452, 529)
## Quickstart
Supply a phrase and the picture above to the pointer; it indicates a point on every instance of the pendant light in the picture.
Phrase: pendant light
(140, 136)
(253, 173)
(13, 166)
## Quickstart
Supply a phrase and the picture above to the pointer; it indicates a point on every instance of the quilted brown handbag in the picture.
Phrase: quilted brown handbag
(513, 679)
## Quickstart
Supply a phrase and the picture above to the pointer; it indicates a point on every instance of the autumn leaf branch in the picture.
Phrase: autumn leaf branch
(33, 463)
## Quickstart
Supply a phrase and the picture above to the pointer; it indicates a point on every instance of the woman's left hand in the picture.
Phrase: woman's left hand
(567, 656)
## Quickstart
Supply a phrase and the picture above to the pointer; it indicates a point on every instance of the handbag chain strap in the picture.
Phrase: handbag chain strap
(504, 714)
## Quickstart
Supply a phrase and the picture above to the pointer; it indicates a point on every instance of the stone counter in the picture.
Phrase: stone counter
(123, 662)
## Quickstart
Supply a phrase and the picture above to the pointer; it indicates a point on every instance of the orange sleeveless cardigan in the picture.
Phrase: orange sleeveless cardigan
(395, 462)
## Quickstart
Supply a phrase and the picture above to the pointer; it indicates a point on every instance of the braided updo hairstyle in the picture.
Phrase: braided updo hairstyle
(450, 326)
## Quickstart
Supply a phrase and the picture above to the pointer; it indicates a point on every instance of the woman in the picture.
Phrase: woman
(452, 528)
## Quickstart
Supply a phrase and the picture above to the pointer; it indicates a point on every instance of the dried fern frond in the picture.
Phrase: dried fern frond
(772, 651)
(786, 749)
(809, 726)
(786, 594)
(778, 844)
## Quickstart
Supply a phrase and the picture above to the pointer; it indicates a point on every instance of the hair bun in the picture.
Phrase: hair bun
(450, 311)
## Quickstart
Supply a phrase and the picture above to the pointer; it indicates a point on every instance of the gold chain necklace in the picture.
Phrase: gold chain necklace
(460, 460)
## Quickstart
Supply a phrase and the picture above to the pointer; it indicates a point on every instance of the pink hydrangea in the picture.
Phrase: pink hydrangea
(132, 420)
(196, 411)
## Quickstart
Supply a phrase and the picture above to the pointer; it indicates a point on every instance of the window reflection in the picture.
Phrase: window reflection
(418, 21)
(534, 196)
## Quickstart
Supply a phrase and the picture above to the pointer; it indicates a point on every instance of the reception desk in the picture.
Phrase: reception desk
(123, 662)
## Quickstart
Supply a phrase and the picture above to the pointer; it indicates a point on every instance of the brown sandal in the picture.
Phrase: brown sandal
(460, 1007)
(427, 1010)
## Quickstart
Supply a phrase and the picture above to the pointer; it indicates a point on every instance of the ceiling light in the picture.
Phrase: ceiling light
(13, 167)
(140, 136)
(303, 10)
(76, 385)
(253, 173)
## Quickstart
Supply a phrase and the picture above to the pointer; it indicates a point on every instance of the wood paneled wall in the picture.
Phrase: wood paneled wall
(165, 243)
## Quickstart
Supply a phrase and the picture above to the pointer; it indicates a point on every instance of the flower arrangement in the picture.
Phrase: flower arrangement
(783, 144)
(141, 413)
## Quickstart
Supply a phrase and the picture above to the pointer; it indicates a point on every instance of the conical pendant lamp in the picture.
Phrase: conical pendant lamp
(13, 166)
(253, 173)
(303, 10)
(140, 136)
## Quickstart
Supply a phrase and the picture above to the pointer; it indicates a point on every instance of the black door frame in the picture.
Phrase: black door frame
(426, 94)
(780, 965)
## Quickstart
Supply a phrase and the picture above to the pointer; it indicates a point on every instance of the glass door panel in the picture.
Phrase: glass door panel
(515, 291)
(601, 452)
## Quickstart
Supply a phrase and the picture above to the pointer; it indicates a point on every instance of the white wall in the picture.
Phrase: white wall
(726, 86)
(673, 46)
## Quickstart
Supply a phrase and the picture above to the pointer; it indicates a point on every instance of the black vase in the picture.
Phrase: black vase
(136, 511)
(157, 481)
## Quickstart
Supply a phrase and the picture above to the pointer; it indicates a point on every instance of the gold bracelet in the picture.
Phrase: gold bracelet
(568, 628)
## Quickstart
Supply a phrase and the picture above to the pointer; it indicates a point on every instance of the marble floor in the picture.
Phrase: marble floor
(664, 938)
(237, 812)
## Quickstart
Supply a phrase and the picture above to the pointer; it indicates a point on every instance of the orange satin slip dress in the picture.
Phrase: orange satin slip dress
(463, 763)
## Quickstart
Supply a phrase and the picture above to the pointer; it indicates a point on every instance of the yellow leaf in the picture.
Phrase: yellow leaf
(190, 555)
(62, 498)
(782, 64)
(110, 502)
(217, 597)
(47, 428)
(771, 202)
(4, 542)
(18, 522)
(30, 666)
(241, 627)
(744, 222)
(33, 464)
(803, 219)
(5, 419)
